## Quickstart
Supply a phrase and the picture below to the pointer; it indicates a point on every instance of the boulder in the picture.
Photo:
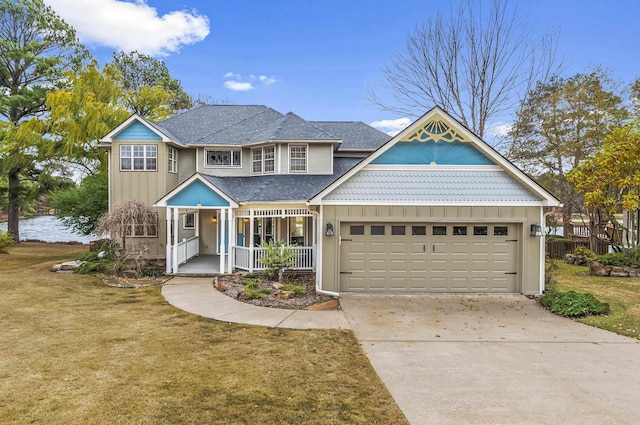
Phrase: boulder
(68, 266)
(284, 295)
(570, 259)
(278, 285)
(597, 269)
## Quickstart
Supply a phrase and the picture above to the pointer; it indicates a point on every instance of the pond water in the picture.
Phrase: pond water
(48, 228)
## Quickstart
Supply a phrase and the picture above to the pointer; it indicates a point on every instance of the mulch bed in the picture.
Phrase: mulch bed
(231, 285)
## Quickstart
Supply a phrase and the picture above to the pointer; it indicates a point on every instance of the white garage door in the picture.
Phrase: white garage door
(427, 257)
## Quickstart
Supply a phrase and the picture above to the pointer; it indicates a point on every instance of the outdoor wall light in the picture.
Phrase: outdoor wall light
(329, 231)
(214, 219)
(536, 231)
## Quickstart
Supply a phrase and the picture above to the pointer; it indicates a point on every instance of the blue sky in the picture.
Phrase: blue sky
(318, 58)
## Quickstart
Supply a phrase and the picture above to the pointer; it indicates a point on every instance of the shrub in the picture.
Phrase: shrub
(573, 304)
(89, 256)
(251, 284)
(583, 251)
(296, 289)
(278, 256)
(620, 259)
(99, 266)
(6, 241)
(153, 272)
(253, 294)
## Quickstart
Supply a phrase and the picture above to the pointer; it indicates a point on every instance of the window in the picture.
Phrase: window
(459, 230)
(263, 160)
(480, 230)
(189, 221)
(439, 230)
(500, 231)
(138, 157)
(418, 230)
(377, 230)
(142, 231)
(296, 229)
(173, 160)
(226, 158)
(298, 159)
(398, 230)
(356, 230)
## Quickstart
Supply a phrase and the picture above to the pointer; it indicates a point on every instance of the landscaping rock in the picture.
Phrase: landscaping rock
(278, 285)
(570, 259)
(597, 269)
(68, 266)
(284, 295)
(618, 272)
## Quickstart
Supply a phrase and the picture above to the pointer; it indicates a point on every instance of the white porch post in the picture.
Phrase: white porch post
(169, 255)
(196, 218)
(221, 251)
(251, 241)
(174, 262)
(232, 239)
(314, 231)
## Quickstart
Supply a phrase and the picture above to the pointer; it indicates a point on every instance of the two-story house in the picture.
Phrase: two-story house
(433, 209)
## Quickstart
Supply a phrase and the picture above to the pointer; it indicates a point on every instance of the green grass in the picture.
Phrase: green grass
(76, 351)
(622, 295)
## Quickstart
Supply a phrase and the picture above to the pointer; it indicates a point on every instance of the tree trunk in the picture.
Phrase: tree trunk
(13, 224)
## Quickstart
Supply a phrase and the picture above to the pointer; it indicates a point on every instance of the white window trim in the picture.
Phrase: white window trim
(172, 160)
(306, 158)
(263, 160)
(146, 232)
(184, 221)
(132, 158)
(223, 166)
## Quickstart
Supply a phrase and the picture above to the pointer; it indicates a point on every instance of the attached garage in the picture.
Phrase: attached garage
(434, 210)
(416, 257)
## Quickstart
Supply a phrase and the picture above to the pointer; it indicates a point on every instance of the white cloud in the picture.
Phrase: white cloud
(244, 83)
(131, 26)
(500, 130)
(238, 85)
(391, 127)
(267, 80)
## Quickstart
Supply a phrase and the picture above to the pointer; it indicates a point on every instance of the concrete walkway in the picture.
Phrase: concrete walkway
(198, 296)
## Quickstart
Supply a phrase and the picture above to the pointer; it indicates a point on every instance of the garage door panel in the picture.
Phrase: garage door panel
(432, 260)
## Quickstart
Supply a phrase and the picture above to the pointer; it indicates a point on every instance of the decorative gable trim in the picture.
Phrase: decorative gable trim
(169, 200)
(134, 122)
(434, 127)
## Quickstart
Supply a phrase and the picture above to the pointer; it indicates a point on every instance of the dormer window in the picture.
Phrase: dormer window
(263, 160)
(223, 158)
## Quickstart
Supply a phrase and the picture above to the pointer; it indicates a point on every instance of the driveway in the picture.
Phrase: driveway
(449, 359)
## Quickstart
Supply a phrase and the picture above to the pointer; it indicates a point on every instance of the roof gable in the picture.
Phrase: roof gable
(434, 142)
(136, 128)
(196, 192)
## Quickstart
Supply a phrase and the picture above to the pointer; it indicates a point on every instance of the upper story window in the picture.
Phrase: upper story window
(223, 158)
(173, 160)
(297, 158)
(263, 160)
(138, 157)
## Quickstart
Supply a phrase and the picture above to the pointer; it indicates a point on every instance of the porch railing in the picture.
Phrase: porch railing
(242, 258)
(187, 249)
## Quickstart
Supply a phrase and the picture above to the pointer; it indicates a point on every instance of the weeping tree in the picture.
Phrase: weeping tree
(128, 219)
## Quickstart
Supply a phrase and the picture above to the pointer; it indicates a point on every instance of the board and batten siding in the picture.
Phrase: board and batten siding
(529, 258)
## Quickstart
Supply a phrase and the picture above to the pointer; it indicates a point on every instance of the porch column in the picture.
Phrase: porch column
(314, 232)
(232, 239)
(221, 251)
(251, 241)
(196, 219)
(168, 255)
(174, 262)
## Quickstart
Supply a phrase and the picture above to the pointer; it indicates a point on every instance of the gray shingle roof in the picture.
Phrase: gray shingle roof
(236, 125)
(432, 186)
(280, 187)
(356, 135)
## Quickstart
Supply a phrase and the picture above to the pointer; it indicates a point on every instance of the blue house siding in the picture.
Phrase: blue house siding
(440, 153)
(137, 131)
(197, 194)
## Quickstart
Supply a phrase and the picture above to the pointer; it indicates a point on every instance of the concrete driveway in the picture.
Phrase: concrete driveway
(495, 360)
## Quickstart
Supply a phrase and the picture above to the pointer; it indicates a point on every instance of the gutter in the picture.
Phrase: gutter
(319, 259)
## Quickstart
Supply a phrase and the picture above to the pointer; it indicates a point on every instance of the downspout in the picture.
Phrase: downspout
(319, 257)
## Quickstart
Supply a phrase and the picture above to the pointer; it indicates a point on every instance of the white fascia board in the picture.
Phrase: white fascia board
(439, 203)
(162, 202)
(108, 138)
(426, 167)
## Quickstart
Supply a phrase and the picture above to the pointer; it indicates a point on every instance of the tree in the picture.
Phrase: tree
(150, 90)
(559, 125)
(36, 48)
(80, 207)
(470, 62)
(610, 180)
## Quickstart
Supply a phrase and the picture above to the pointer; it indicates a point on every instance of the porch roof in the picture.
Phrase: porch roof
(279, 187)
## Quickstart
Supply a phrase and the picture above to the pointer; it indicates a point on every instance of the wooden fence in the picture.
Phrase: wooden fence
(558, 249)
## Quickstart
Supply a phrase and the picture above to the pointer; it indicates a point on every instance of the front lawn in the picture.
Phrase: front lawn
(622, 294)
(73, 350)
